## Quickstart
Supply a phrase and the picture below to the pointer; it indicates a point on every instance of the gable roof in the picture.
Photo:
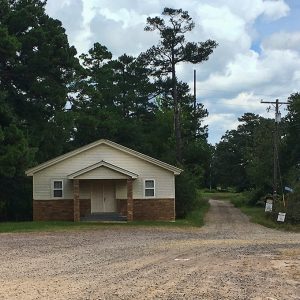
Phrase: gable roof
(114, 145)
(102, 164)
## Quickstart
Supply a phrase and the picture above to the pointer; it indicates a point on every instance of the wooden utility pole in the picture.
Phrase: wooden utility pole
(194, 113)
(195, 93)
(276, 103)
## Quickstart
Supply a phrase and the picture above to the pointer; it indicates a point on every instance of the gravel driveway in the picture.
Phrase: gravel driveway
(229, 258)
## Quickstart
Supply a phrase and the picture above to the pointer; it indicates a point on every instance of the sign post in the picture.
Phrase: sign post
(269, 205)
(281, 217)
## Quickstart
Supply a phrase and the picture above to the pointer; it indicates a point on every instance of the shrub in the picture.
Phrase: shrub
(256, 196)
(238, 200)
(186, 197)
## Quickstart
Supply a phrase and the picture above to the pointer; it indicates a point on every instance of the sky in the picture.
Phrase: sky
(258, 56)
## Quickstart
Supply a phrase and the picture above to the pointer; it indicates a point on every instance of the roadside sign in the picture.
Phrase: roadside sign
(281, 217)
(269, 205)
(288, 189)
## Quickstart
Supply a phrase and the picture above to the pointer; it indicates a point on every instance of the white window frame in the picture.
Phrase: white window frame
(154, 188)
(53, 189)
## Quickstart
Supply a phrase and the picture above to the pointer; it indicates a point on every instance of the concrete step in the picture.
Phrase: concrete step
(109, 216)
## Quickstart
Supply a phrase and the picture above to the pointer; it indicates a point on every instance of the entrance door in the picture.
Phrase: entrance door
(103, 196)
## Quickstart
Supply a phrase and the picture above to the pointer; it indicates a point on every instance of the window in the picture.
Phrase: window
(149, 188)
(57, 188)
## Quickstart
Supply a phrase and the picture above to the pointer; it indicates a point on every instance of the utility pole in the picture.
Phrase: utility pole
(195, 104)
(195, 96)
(276, 103)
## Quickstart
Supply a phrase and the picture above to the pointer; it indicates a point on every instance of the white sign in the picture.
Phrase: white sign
(288, 189)
(281, 217)
(269, 206)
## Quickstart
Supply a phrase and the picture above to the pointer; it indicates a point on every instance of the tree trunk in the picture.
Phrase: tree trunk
(176, 114)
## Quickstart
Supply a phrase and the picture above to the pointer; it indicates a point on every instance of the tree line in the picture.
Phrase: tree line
(53, 100)
(244, 159)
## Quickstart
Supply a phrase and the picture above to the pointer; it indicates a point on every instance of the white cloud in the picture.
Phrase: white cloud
(283, 40)
(219, 123)
(275, 9)
(128, 18)
(220, 23)
(224, 120)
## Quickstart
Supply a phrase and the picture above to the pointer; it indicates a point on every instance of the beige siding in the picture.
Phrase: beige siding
(164, 179)
(121, 189)
(102, 173)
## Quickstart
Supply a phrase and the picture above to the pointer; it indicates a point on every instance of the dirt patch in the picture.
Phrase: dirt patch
(229, 258)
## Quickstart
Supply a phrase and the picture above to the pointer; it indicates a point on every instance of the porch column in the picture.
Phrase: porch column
(76, 200)
(129, 200)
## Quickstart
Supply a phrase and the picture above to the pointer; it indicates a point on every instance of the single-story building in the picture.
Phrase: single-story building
(103, 177)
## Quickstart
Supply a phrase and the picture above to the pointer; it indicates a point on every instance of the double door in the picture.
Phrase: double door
(103, 196)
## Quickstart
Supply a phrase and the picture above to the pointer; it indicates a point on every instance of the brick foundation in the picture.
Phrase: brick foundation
(85, 207)
(76, 203)
(143, 209)
(154, 209)
(130, 202)
(58, 210)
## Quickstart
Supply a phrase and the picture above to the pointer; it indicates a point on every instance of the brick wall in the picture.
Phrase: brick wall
(58, 210)
(154, 209)
(143, 209)
(122, 207)
(85, 207)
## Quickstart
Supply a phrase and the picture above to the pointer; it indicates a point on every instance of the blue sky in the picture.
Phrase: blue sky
(258, 56)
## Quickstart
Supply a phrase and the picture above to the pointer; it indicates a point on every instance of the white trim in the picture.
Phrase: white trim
(103, 163)
(154, 188)
(53, 189)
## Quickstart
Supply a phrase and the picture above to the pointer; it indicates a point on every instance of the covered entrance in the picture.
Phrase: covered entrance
(103, 177)
(103, 196)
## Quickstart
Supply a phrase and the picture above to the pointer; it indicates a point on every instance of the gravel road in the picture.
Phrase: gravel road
(229, 258)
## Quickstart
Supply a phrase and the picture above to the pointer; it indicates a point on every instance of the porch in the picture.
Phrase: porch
(103, 203)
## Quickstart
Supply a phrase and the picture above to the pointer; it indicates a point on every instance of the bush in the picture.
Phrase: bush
(256, 196)
(196, 217)
(186, 196)
(238, 200)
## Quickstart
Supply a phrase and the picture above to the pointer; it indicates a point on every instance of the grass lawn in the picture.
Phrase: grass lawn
(47, 226)
(237, 199)
(218, 195)
(63, 226)
(194, 219)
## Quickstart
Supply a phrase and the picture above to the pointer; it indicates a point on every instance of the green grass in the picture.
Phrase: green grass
(69, 226)
(195, 218)
(227, 196)
(258, 215)
(51, 226)
(47, 226)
